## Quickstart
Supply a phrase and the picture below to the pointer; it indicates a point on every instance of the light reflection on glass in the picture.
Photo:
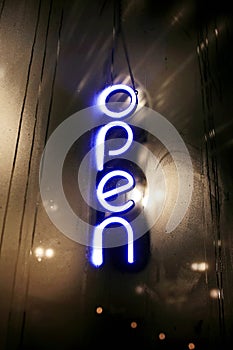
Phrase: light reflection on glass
(177, 17)
(133, 324)
(215, 293)
(139, 289)
(99, 310)
(53, 206)
(49, 253)
(159, 195)
(201, 267)
(211, 133)
(144, 201)
(40, 253)
(136, 195)
(50, 205)
(139, 195)
(162, 336)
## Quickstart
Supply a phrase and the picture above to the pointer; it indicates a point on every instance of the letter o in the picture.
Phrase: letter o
(111, 90)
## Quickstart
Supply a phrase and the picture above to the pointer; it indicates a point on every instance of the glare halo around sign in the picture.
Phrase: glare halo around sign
(110, 90)
(68, 132)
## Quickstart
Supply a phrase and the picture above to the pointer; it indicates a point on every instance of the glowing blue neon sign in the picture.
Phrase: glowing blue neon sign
(102, 195)
(100, 145)
(97, 253)
(111, 90)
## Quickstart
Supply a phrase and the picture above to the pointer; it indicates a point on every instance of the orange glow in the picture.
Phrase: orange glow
(133, 324)
(162, 336)
(215, 293)
(191, 346)
(99, 310)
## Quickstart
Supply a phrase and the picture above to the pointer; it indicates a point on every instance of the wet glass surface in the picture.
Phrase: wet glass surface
(55, 58)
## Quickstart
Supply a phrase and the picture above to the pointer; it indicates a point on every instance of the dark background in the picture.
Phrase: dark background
(55, 57)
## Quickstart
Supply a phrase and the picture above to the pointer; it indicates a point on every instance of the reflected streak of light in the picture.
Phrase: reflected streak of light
(139, 66)
(90, 72)
(176, 18)
(127, 10)
(83, 81)
(224, 126)
(178, 71)
(144, 98)
(212, 133)
(145, 201)
(160, 103)
(94, 47)
(227, 144)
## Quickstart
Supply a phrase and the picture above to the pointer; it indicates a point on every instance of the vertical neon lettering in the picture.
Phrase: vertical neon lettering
(97, 253)
(100, 142)
(102, 195)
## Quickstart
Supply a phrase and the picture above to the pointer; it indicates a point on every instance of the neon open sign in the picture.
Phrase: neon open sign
(104, 196)
(121, 163)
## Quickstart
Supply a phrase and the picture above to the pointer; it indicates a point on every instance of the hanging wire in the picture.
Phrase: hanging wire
(115, 34)
(118, 33)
